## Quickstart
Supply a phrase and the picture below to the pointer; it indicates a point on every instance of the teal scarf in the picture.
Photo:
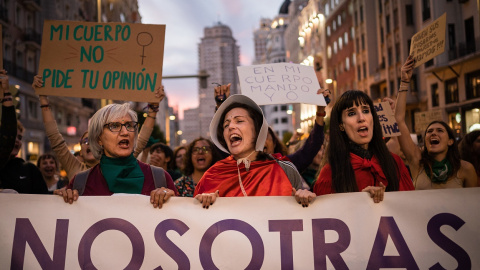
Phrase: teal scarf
(123, 175)
(441, 170)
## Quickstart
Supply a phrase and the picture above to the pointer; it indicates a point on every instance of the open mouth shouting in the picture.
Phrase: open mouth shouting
(363, 131)
(124, 144)
(235, 140)
(434, 141)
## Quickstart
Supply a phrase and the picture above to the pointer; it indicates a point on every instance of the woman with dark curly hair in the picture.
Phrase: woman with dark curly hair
(201, 155)
(439, 164)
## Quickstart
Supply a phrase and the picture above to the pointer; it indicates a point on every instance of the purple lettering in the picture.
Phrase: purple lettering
(168, 246)
(388, 227)
(24, 232)
(85, 246)
(457, 252)
(258, 251)
(322, 250)
(285, 227)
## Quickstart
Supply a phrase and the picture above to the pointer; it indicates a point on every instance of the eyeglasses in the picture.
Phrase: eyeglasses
(199, 150)
(84, 141)
(130, 126)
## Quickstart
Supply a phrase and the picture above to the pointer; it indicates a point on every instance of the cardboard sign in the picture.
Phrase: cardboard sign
(119, 61)
(407, 230)
(387, 119)
(429, 42)
(280, 83)
(422, 119)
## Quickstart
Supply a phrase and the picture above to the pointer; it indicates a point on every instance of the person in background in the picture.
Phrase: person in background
(16, 174)
(439, 164)
(470, 151)
(8, 125)
(239, 126)
(358, 159)
(113, 134)
(48, 166)
(179, 155)
(69, 162)
(201, 155)
(24, 177)
(161, 155)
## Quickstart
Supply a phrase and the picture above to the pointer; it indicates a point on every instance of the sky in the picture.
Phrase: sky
(185, 21)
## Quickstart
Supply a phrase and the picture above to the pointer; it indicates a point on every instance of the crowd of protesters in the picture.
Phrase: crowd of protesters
(243, 156)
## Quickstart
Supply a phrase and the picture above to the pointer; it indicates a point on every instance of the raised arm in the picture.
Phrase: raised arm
(411, 151)
(8, 127)
(69, 162)
(305, 155)
(147, 127)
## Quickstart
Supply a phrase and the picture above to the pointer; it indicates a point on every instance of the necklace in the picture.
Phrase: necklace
(247, 167)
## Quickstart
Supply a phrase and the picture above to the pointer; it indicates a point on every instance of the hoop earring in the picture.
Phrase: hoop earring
(342, 128)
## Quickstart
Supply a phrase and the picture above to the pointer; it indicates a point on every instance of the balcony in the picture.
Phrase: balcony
(32, 38)
(33, 5)
(462, 50)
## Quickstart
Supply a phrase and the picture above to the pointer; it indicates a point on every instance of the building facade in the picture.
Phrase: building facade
(219, 56)
(22, 25)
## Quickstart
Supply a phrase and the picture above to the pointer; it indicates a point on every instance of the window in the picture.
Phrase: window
(335, 47)
(381, 35)
(435, 96)
(328, 31)
(380, 6)
(284, 120)
(275, 121)
(283, 108)
(387, 22)
(340, 43)
(425, 10)
(358, 45)
(364, 70)
(327, 9)
(339, 20)
(409, 14)
(361, 14)
(395, 19)
(452, 50)
(363, 42)
(356, 18)
(469, 36)
(347, 64)
(275, 109)
(472, 81)
(429, 63)
(390, 60)
(397, 52)
(329, 52)
(451, 91)
(33, 109)
(346, 38)
(334, 25)
(359, 73)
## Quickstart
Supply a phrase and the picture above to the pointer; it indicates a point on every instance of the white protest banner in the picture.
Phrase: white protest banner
(280, 83)
(410, 229)
(387, 119)
(429, 42)
(422, 119)
(119, 61)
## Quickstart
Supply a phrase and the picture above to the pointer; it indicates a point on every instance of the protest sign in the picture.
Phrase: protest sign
(409, 229)
(387, 119)
(280, 83)
(422, 119)
(119, 61)
(429, 42)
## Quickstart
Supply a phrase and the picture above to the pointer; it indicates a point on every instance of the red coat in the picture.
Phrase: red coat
(264, 178)
(364, 170)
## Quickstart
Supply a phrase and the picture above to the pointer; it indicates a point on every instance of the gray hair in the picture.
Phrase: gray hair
(103, 116)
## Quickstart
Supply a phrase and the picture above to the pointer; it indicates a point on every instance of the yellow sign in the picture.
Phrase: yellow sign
(429, 42)
(118, 61)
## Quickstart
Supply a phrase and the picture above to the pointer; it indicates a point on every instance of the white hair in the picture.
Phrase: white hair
(104, 116)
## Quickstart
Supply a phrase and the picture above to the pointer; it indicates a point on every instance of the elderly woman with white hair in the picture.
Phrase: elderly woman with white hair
(240, 129)
(112, 137)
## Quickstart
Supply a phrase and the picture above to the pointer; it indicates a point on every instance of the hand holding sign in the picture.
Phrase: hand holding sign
(429, 42)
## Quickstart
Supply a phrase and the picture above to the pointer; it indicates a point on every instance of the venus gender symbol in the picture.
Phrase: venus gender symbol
(144, 39)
